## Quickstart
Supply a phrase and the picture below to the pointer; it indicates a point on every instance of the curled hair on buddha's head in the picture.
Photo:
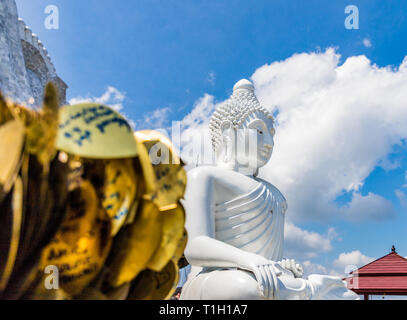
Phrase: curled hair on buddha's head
(235, 111)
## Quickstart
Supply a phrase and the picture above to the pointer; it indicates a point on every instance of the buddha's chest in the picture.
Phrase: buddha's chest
(231, 185)
(251, 217)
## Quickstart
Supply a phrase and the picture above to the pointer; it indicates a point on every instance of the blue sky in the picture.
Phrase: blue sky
(169, 54)
(161, 52)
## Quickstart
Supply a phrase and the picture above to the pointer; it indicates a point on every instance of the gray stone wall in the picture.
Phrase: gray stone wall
(25, 66)
(13, 75)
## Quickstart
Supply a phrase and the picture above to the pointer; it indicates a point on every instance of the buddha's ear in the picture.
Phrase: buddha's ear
(225, 126)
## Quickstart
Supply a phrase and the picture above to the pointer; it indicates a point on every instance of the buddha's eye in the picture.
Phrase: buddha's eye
(259, 132)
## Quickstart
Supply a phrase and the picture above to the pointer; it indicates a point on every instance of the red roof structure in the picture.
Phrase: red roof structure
(384, 276)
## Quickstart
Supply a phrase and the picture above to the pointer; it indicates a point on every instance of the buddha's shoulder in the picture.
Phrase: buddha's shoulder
(274, 190)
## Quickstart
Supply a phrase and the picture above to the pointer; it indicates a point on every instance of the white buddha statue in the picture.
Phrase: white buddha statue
(235, 220)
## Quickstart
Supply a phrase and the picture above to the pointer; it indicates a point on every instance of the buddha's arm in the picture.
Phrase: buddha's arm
(205, 251)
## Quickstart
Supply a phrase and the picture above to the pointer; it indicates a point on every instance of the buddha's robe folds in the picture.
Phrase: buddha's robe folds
(253, 222)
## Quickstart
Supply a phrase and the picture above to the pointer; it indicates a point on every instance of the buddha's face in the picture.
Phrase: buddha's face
(251, 144)
(263, 130)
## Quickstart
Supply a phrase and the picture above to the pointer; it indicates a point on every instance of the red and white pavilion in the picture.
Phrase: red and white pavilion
(384, 276)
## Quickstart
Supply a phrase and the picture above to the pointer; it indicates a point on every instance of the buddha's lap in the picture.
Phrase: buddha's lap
(223, 284)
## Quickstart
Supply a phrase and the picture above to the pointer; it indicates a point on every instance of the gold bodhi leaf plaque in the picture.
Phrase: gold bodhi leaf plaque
(101, 203)
(11, 146)
(120, 191)
(159, 211)
(95, 131)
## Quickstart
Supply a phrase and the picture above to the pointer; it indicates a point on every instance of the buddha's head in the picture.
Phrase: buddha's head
(242, 130)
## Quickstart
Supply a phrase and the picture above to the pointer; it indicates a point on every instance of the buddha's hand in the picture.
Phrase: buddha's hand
(265, 272)
(291, 265)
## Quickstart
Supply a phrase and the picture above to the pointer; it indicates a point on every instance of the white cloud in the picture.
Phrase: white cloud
(303, 244)
(335, 124)
(316, 268)
(332, 234)
(195, 133)
(405, 180)
(367, 43)
(388, 164)
(211, 78)
(348, 261)
(313, 268)
(369, 207)
(341, 267)
(111, 97)
(402, 198)
(154, 120)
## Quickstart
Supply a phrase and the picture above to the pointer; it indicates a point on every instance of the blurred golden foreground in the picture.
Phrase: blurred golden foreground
(84, 211)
